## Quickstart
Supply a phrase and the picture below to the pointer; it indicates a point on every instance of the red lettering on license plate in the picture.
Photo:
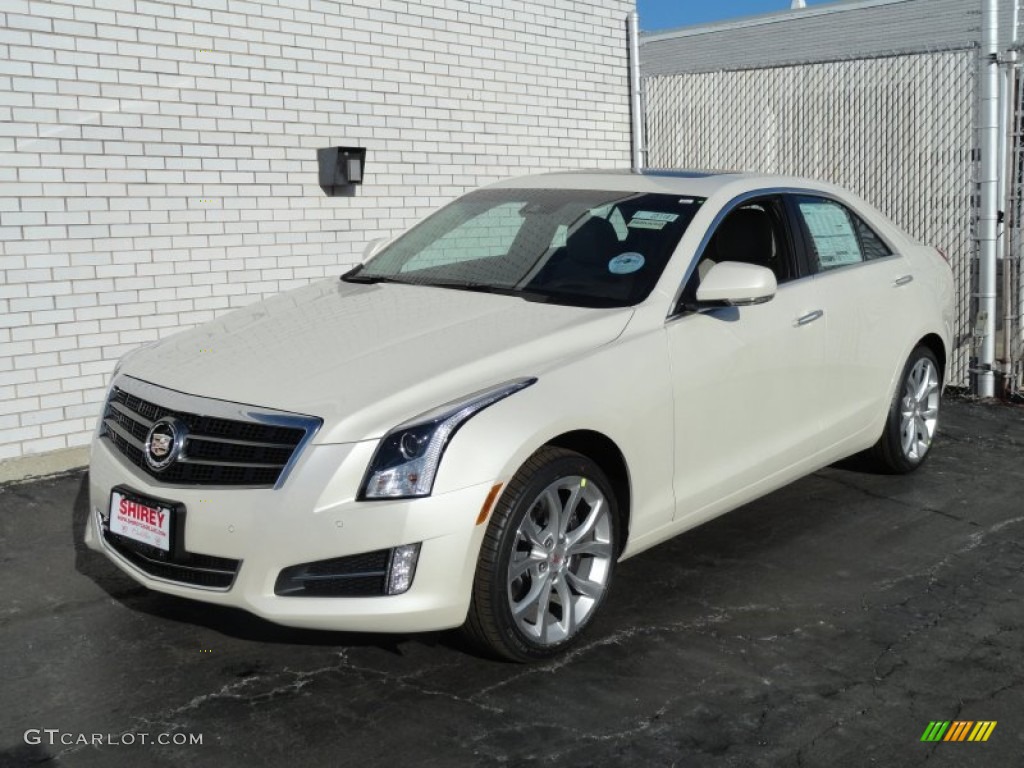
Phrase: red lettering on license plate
(142, 522)
(142, 513)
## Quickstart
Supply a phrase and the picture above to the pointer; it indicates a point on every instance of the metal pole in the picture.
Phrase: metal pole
(1004, 131)
(1017, 257)
(989, 183)
(1008, 235)
(633, 32)
(1011, 224)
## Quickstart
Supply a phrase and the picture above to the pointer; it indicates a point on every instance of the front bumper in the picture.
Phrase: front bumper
(313, 516)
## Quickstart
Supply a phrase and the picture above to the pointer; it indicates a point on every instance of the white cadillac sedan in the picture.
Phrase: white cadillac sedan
(541, 379)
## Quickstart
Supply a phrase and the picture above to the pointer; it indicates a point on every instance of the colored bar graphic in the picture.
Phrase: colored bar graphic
(935, 730)
(958, 730)
(982, 730)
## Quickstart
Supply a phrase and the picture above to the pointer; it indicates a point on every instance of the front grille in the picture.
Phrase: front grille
(362, 575)
(188, 568)
(217, 451)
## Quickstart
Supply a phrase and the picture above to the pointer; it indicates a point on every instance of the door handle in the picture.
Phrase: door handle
(810, 317)
(904, 280)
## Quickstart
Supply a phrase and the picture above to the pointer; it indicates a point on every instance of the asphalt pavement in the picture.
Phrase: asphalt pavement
(825, 625)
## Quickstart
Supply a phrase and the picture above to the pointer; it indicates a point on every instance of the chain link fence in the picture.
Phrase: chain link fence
(898, 130)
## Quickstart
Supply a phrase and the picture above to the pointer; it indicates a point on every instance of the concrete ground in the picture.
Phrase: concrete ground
(825, 625)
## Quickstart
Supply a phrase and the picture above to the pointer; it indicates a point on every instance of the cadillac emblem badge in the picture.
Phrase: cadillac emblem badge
(164, 442)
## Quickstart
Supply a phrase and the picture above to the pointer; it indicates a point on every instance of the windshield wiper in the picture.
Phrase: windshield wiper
(540, 296)
(462, 285)
(488, 288)
(354, 276)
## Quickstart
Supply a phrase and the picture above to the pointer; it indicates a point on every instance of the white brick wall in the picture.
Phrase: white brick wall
(158, 158)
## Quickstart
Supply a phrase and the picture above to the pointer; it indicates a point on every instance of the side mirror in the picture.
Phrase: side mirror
(734, 284)
(372, 248)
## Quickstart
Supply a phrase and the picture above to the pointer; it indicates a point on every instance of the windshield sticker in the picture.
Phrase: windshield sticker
(626, 263)
(655, 216)
(646, 224)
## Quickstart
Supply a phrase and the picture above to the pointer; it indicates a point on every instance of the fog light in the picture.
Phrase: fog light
(402, 568)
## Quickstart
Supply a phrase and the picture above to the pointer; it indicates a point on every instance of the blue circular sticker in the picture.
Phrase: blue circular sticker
(626, 263)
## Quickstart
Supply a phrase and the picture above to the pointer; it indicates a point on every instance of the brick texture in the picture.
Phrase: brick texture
(158, 159)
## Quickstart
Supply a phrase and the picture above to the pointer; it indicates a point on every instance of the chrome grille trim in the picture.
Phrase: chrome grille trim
(207, 463)
(254, 443)
(131, 439)
(147, 423)
(133, 406)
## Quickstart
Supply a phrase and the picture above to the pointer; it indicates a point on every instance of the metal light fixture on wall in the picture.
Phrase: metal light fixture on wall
(341, 168)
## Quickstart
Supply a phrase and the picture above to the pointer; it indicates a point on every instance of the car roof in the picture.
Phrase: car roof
(695, 182)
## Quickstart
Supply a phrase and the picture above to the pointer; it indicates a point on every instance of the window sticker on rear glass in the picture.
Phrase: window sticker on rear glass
(626, 263)
(834, 238)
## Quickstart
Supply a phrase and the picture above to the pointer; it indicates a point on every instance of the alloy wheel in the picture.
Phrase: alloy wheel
(919, 409)
(561, 560)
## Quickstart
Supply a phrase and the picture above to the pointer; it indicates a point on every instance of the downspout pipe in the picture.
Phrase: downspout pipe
(985, 321)
(637, 130)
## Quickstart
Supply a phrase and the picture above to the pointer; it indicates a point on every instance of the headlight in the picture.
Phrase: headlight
(407, 458)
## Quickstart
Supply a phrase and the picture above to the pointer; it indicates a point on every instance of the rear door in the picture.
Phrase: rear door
(865, 286)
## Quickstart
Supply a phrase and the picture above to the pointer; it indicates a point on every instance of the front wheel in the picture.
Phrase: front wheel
(547, 558)
(913, 415)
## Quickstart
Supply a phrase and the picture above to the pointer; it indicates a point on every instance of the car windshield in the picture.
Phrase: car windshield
(577, 247)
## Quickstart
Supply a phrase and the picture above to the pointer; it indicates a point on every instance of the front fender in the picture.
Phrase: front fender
(584, 394)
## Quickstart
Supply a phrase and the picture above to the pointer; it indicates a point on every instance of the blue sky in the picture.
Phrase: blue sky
(663, 14)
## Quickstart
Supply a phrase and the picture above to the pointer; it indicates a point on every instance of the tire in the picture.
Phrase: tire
(552, 540)
(913, 416)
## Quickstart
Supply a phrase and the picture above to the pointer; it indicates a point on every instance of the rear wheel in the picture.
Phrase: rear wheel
(913, 415)
(547, 558)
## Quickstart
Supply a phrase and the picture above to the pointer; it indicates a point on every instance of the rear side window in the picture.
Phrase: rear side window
(837, 237)
(871, 245)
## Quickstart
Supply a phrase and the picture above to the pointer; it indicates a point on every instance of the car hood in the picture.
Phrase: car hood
(366, 357)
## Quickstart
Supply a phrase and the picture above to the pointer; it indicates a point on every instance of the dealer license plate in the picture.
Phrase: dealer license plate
(142, 520)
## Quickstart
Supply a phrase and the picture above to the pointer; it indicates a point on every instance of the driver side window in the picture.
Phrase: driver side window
(753, 233)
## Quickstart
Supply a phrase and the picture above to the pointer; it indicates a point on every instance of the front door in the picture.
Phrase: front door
(746, 380)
